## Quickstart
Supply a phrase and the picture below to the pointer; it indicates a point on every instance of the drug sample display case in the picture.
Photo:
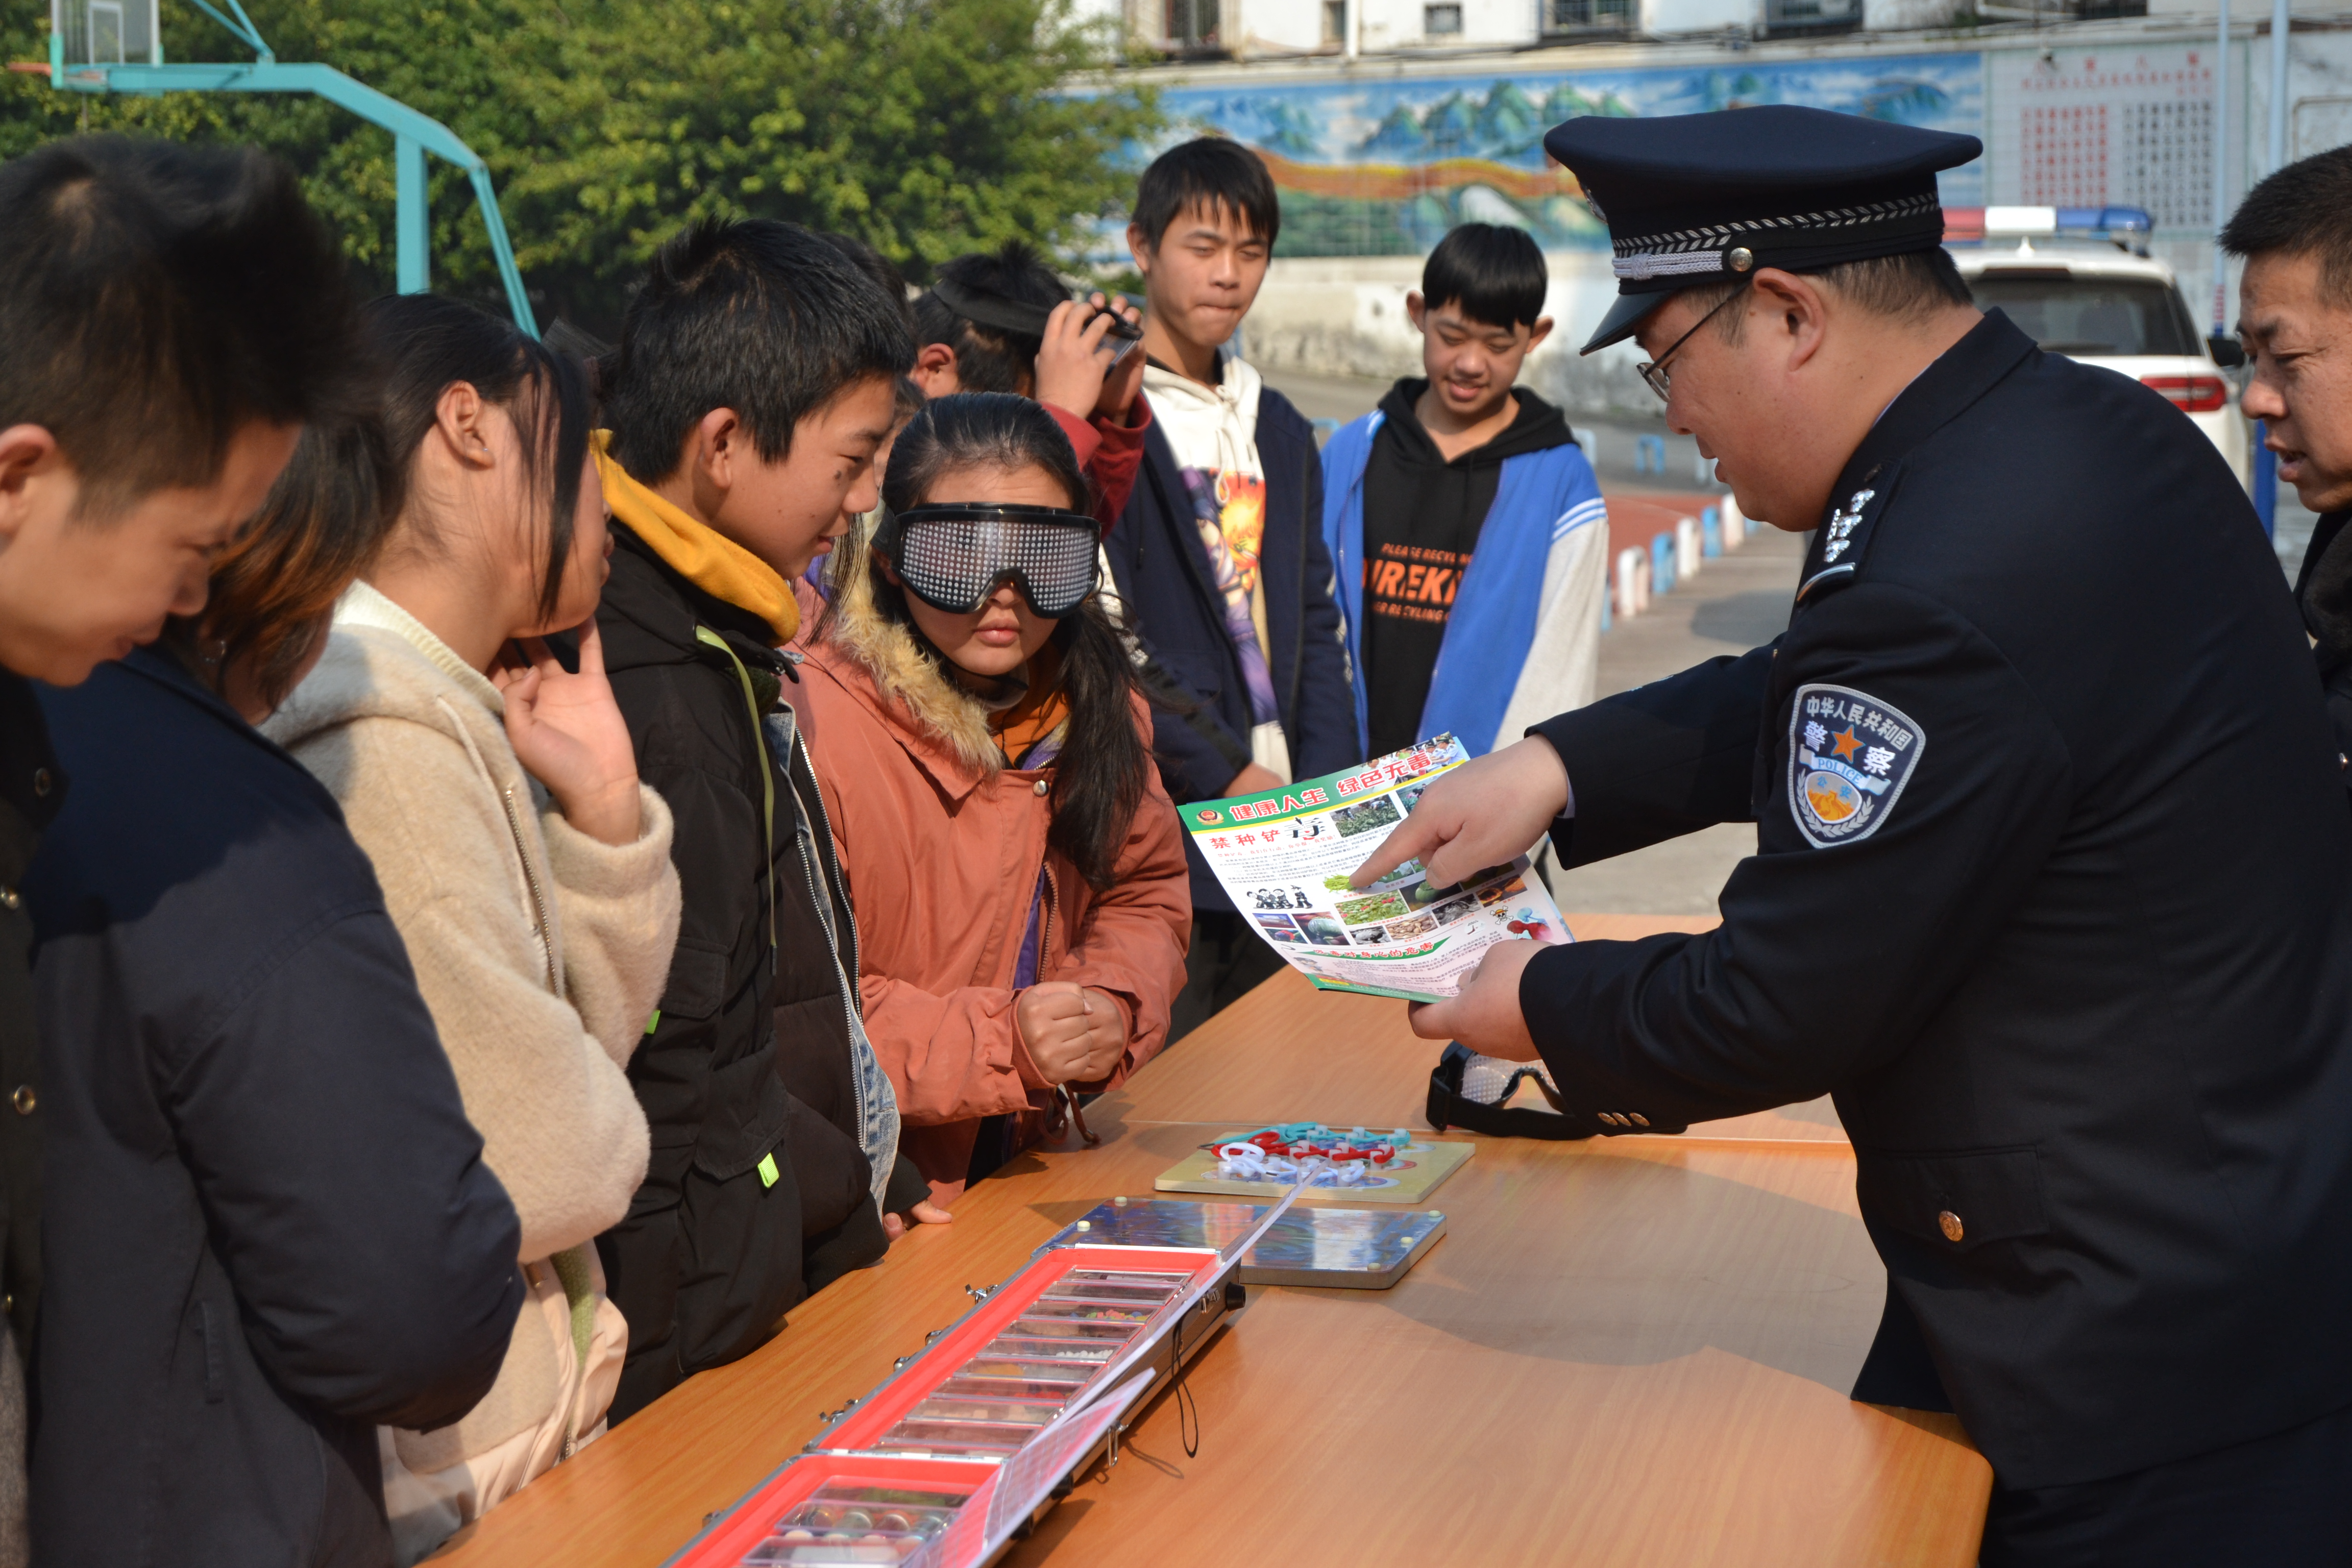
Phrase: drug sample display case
(1074, 1319)
(976, 1436)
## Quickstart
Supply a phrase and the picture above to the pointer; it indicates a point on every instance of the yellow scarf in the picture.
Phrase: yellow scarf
(697, 552)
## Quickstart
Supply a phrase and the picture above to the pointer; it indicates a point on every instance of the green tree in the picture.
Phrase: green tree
(925, 127)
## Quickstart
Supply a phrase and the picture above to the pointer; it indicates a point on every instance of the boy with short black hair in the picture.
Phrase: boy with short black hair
(1219, 555)
(171, 318)
(973, 333)
(753, 385)
(1469, 534)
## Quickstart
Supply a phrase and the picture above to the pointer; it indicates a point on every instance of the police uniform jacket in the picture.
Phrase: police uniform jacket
(2049, 893)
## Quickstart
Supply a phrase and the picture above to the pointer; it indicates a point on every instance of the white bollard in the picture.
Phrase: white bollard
(1735, 527)
(1629, 567)
(1642, 583)
(1588, 440)
(1687, 550)
(1703, 468)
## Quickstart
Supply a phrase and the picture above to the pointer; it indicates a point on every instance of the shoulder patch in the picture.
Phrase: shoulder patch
(1849, 757)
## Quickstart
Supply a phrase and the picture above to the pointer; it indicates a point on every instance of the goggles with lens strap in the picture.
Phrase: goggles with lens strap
(952, 557)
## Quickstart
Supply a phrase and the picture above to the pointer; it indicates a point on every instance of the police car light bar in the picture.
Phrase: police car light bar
(2028, 221)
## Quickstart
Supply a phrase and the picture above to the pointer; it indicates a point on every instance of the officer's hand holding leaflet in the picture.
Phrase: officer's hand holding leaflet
(1485, 1013)
(1483, 812)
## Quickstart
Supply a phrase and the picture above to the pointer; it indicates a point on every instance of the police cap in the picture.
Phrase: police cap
(1692, 199)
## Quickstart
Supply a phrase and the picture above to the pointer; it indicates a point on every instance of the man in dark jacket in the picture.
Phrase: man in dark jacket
(268, 1227)
(1219, 557)
(751, 389)
(2295, 312)
(118, 478)
(2049, 885)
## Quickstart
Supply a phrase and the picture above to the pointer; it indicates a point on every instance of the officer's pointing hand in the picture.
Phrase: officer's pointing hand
(1485, 1013)
(1480, 815)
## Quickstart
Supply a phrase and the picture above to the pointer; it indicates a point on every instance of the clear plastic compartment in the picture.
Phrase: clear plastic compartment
(844, 1524)
(1019, 1380)
(1152, 1279)
(1038, 1326)
(1057, 1350)
(1014, 1412)
(1084, 1311)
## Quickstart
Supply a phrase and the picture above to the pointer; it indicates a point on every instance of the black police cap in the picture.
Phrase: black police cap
(1692, 199)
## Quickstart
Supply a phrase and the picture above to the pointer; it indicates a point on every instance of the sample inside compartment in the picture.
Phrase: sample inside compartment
(834, 1511)
(1039, 1341)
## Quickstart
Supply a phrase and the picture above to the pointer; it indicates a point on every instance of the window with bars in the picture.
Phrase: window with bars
(1441, 21)
(1191, 23)
(1589, 16)
(1811, 15)
(1335, 21)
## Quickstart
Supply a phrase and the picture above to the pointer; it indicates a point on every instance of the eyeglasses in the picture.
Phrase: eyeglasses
(1654, 371)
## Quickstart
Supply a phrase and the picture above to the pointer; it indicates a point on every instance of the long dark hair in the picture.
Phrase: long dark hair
(427, 344)
(1101, 771)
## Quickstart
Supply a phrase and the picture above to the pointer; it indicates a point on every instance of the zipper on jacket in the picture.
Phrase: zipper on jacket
(709, 639)
(538, 899)
(829, 919)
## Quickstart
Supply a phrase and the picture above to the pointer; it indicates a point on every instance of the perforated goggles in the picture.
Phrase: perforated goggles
(952, 557)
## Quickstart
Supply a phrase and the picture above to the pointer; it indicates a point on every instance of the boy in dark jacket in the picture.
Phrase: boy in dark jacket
(751, 389)
(1219, 555)
(262, 1242)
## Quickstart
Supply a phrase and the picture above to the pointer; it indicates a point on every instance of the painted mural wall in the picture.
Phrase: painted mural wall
(1384, 168)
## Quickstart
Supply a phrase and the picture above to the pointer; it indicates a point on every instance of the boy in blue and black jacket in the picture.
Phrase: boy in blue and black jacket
(1469, 535)
(1219, 555)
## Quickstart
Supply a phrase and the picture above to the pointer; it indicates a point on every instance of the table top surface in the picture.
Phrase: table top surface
(1630, 1349)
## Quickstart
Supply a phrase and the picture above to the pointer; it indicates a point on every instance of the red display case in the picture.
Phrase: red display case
(1072, 1320)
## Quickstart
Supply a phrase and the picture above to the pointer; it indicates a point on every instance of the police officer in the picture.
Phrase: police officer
(2048, 881)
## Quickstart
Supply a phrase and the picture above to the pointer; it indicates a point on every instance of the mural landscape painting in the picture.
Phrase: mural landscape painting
(1385, 168)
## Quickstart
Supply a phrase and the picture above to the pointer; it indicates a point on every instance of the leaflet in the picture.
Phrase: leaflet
(1283, 857)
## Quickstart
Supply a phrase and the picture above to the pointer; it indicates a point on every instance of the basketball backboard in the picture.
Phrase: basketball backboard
(108, 32)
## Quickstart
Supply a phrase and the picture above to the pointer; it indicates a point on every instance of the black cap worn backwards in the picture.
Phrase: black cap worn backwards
(1692, 199)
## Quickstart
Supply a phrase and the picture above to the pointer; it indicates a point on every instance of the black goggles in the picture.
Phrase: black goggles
(952, 557)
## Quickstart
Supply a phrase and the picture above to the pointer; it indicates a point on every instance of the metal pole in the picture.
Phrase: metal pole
(411, 230)
(2280, 93)
(2266, 460)
(2221, 172)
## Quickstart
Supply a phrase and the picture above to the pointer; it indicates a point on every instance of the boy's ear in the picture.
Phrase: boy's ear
(935, 371)
(714, 447)
(1416, 309)
(28, 454)
(1542, 331)
(1140, 247)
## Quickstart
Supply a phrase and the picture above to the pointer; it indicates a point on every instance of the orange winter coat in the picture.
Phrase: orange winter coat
(942, 844)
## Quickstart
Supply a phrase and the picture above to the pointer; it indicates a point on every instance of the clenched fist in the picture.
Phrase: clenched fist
(1073, 1034)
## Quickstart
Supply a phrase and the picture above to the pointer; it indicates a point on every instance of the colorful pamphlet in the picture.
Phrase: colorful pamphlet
(1284, 856)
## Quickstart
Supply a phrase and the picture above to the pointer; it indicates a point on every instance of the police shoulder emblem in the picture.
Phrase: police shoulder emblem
(1849, 757)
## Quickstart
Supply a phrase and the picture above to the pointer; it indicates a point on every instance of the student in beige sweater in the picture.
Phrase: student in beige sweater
(526, 867)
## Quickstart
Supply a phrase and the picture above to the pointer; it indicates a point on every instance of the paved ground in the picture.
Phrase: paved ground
(1734, 604)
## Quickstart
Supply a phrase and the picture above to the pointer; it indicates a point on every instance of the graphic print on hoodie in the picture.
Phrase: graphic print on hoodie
(1422, 518)
(1212, 432)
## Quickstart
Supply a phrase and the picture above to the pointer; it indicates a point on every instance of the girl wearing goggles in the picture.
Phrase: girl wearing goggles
(983, 749)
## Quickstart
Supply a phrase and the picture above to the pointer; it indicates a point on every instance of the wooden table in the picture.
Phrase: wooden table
(1635, 1350)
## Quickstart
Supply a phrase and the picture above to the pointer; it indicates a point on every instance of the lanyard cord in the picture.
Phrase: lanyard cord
(705, 636)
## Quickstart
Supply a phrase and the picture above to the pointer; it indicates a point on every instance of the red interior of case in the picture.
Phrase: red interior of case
(886, 1407)
(748, 1524)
